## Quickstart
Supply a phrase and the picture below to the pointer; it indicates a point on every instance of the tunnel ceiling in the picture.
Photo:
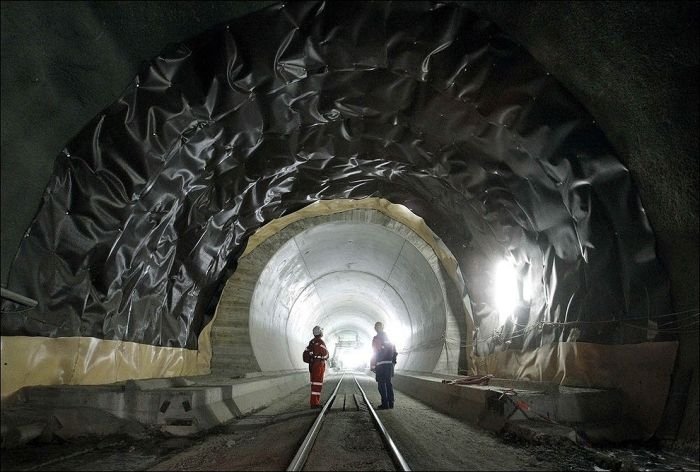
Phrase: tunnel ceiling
(426, 105)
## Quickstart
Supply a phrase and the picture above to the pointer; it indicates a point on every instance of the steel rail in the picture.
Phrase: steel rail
(399, 461)
(303, 452)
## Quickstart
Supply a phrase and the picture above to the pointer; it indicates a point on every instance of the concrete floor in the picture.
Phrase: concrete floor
(266, 438)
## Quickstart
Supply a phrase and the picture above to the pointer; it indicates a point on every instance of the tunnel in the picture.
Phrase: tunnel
(343, 271)
(443, 168)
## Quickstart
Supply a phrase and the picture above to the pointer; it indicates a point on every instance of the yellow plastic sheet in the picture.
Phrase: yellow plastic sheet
(642, 372)
(90, 361)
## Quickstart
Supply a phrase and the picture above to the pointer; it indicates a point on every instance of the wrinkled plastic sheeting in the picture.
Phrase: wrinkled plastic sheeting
(423, 104)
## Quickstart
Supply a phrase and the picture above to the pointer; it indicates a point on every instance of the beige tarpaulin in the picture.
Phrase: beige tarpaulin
(89, 361)
(642, 372)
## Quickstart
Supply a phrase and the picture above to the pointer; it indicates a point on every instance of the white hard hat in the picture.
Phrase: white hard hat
(318, 331)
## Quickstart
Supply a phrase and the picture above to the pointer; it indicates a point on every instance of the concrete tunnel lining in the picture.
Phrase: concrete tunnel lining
(343, 301)
(343, 271)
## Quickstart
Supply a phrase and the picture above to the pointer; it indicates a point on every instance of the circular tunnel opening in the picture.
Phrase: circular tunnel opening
(343, 272)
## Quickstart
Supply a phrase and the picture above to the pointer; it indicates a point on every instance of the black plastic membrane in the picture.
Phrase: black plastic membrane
(423, 104)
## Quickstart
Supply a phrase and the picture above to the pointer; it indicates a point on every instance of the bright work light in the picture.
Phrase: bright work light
(505, 291)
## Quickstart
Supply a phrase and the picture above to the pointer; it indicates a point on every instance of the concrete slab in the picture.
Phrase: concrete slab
(180, 406)
(503, 401)
(356, 404)
(339, 403)
(187, 406)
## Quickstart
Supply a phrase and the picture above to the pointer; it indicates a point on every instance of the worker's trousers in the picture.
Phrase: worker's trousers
(318, 369)
(384, 372)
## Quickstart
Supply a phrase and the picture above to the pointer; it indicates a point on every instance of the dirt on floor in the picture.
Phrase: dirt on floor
(268, 440)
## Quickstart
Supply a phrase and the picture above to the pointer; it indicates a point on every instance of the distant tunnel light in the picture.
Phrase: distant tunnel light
(505, 291)
(355, 358)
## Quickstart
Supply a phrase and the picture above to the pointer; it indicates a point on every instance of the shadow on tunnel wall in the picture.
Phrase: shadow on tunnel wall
(429, 106)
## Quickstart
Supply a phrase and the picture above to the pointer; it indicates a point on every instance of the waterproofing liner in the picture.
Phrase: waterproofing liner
(423, 104)
(83, 360)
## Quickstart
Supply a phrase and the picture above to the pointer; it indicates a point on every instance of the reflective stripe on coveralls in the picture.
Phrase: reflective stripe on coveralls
(318, 368)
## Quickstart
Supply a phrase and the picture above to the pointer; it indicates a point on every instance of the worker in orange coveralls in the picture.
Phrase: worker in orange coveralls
(318, 354)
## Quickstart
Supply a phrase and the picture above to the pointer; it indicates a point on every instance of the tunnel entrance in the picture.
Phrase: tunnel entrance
(343, 269)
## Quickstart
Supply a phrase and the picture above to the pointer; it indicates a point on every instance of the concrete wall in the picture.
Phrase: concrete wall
(344, 272)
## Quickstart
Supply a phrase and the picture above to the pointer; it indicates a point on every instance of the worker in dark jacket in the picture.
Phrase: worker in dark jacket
(318, 354)
(382, 364)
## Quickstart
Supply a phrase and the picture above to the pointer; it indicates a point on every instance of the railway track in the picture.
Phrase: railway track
(350, 398)
(347, 434)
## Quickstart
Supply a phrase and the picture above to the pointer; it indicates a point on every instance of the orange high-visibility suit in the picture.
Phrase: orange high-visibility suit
(317, 367)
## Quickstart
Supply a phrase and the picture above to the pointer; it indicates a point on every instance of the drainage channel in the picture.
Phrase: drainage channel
(348, 434)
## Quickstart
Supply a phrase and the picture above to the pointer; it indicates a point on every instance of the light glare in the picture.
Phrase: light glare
(355, 358)
(401, 336)
(505, 291)
(527, 289)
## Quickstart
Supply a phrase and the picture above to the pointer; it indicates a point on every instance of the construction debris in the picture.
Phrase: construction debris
(470, 380)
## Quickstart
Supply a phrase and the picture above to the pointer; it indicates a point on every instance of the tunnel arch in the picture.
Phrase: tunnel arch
(152, 203)
(403, 252)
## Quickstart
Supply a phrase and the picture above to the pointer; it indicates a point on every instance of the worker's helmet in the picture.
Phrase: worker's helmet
(318, 331)
(379, 326)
